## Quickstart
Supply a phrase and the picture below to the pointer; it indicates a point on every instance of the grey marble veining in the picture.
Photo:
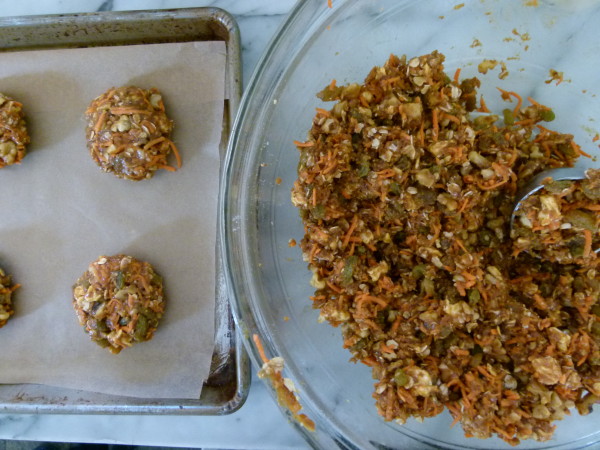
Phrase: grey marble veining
(258, 424)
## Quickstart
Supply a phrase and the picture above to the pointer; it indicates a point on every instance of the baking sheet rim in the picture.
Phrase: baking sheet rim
(207, 16)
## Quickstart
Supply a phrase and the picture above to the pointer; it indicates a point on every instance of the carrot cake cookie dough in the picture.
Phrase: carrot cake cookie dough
(128, 133)
(6, 289)
(119, 301)
(13, 132)
(406, 200)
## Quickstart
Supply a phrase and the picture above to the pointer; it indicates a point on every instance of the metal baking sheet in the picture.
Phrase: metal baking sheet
(226, 388)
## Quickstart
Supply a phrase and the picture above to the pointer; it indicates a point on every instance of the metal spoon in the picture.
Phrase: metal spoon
(537, 183)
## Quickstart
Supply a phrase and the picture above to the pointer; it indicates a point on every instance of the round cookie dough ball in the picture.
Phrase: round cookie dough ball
(13, 132)
(6, 290)
(119, 301)
(128, 133)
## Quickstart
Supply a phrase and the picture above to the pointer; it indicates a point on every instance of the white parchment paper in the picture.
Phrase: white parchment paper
(59, 212)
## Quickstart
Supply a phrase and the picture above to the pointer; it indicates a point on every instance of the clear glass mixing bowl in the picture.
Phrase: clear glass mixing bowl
(269, 281)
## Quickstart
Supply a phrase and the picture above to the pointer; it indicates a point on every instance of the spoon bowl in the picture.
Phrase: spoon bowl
(539, 181)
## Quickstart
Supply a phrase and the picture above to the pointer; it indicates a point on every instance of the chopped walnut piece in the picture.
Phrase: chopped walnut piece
(546, 370)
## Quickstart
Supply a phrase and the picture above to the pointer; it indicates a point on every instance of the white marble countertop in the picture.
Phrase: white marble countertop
(258, 424)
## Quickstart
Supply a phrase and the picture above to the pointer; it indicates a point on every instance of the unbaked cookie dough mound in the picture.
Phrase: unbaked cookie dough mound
(13, 132)
(128, 133)
(6, 289)
(119, 301)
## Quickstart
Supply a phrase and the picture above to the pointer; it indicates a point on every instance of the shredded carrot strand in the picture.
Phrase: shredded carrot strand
(513, 157)
(539, 105)
(153, 142)
(482, 106)
(506, 96)
(519, 102)
(578, 150)
(260, 348)
(492, 186)
(333, 287)
(461, 352)
(456, 75)
(387, 173)
(100, 121)
(455, 413)
(360, 299)
(176, 153)
(396, 324)
(304, 144)
(384, 348)
(350, 231)
(451, 118)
